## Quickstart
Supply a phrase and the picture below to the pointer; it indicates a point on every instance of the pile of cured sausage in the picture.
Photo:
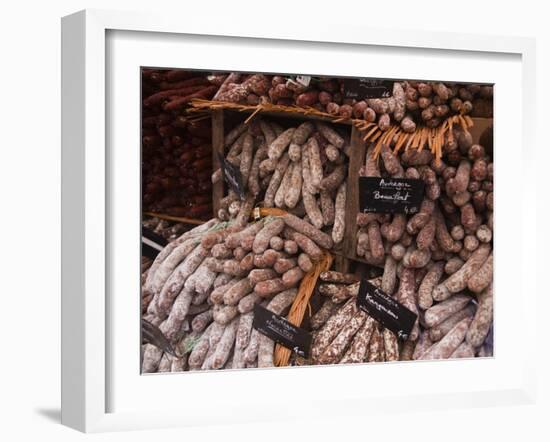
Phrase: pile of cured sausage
(201, 289)
(301, 169)
(411, 102)
(176, 150)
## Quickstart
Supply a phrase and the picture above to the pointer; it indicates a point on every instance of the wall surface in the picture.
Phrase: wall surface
(30, 189)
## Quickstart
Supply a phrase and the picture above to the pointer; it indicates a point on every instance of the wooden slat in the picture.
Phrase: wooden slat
(217, 147)
(357, 154)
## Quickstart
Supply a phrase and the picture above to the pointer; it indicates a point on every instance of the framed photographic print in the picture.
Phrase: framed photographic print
(253, 213)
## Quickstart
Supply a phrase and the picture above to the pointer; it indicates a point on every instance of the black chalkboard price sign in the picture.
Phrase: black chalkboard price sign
(390, 195)
(364, 88)
(232, 176)
(385, 309)
(281, 331)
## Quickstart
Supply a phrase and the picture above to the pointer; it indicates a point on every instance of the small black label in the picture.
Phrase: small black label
(151, 243)
(281, 331)
(364, 88)
(232, 176)
(390, 195)
(385, 309)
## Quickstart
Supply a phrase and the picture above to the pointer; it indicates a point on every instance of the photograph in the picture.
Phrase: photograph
(294, 220)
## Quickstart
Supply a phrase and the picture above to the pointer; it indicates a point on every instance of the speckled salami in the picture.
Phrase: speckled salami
(266, 259)
(285, 185)
(375, 240)
(201, 321)
(483, 277)
(394, 230)
(292, 277)
(464, 350)
(459, 280)
(391, 348)
(232, 267)
(306, 172)
(312, 208)
(440, 330)
(251, 352)
(338, 277)
(241, 220)
(224, 314)
(284, 264)
(151, 358)
(171, 262)
(483, 318)
(330, 134)
(266, 345)
(439, 312)
(426, 235)
(293, 191)
(198, 354)
(177, 279)
(178, 364)
(233, 240)
(391, 162)
(315, 164)
(340, 215)
(270, 287)
(217, 294)
(304, 261)
(302, 133)
(444, 348)
(224, 347)
(214, 338)
(275, 182)
(244, 330)
(272, 227)
(407, 350)
(276, 243)
(295, 152)
(389, 278)
(376, 347)
(327, 207)
(268, 132)
(420, 219)
(334, 179)
(164, 253)
(234, 134)
(357, 351)
(238, 291)
(326, 311)
(278, 146)
(331, 328)
(424, 342)
(308, 246)
(247, 303)
(316, 235)
(335, 350)
(254, 176)
(406, 295)
(258, 275)
(427, 285)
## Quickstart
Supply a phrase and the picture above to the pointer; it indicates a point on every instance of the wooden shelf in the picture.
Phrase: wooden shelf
(178, 219)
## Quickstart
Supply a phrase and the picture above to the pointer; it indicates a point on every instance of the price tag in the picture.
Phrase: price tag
(281, 331)
(364, 88)
(385, 309)
(232, 176)
(390, 195)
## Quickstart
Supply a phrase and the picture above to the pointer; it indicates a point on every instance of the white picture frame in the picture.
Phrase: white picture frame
(90, 170)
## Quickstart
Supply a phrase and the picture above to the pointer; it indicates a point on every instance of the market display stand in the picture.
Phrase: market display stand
(345, 255)
(357, 156)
